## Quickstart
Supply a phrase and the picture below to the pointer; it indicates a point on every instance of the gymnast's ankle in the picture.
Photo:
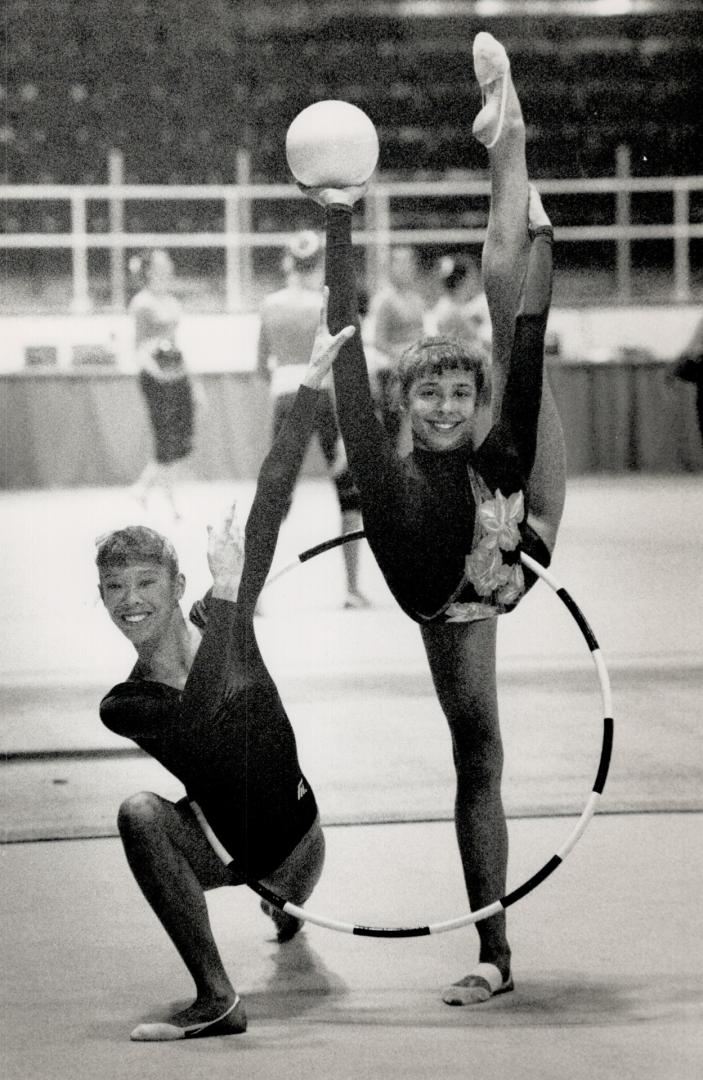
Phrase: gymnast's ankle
(500, 959)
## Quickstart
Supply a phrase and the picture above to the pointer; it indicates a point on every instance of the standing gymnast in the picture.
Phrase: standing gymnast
(447, 523)
(210, 713)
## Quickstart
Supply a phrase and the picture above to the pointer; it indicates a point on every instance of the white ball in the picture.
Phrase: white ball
(332, 144)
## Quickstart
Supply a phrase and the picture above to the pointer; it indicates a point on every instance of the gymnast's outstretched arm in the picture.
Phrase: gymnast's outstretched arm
(228, 657)
(370, 451)
(281, 467)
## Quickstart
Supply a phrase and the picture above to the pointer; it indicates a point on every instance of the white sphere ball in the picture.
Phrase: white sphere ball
(332, 144)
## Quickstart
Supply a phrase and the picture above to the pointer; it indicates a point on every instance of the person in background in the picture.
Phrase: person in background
(289, 319)
(167, 389)
(461, 311)
(396, 319)
(689, 367)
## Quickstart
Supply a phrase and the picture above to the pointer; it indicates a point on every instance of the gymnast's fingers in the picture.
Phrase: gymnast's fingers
(323, 307)
(338, 340)
(230, 522)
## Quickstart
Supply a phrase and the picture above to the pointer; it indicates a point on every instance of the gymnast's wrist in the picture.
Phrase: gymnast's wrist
(313, 380)
(226, 587)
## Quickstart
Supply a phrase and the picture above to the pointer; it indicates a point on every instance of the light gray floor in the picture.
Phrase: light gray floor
(607, 951)
(606, 957)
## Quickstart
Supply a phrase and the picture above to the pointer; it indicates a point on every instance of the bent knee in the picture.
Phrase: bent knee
(139, 811)
(300, 872)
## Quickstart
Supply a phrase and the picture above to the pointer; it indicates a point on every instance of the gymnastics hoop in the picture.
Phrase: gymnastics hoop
(556, 859)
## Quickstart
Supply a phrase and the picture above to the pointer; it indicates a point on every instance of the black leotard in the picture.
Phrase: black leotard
(445, 528)
(227, 737)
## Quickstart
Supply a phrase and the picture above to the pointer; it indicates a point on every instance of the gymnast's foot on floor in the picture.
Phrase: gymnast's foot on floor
(482, 983)
(211, 1016)
(287, 926)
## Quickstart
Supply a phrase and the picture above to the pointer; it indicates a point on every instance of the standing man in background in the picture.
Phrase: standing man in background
(397, 319)
(289, 319)
(462, 309)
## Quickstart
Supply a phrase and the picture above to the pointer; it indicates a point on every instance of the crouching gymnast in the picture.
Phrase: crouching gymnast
(209, 711)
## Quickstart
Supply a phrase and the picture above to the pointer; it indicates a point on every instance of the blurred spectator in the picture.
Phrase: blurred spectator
(397, 319)
(462, 309)
(163, 378)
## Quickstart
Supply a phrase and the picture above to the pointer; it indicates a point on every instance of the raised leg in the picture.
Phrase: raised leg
(500, 126)
(547, 482)
(462, 659)
(505, 251)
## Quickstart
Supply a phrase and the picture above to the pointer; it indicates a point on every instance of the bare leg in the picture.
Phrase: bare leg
(505, 251)
(169, 476)
(173, 864)
(145, 482)
(295, 879)
(504, 263)
(351, 522)
(333, 448)
(547, 482)
(462, 660)
(156, 475)
(462, 657)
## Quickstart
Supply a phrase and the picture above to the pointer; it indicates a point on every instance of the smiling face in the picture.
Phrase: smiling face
(141, 598)
(442, 408)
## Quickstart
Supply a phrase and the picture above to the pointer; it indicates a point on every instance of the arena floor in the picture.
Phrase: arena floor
(607, 956)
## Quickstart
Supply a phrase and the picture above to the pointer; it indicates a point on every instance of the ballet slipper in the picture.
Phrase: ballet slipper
(233, 1021)
(482, 983)
(491, 64)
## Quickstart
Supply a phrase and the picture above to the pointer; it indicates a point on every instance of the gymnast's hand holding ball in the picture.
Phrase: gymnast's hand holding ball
(332, 151)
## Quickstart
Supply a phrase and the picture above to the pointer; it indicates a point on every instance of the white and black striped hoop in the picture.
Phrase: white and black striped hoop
(556, 859)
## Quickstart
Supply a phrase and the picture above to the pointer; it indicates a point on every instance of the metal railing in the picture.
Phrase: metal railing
(238, 239)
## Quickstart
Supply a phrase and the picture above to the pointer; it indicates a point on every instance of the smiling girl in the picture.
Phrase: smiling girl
(447, 523)
(209, 711)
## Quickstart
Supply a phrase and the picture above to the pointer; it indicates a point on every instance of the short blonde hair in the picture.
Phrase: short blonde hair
(135, 544)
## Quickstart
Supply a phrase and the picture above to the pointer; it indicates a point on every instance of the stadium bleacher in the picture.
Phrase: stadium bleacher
(180, 97)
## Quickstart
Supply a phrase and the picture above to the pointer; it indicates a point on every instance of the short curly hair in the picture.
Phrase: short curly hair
(135, 544)
(435, 355)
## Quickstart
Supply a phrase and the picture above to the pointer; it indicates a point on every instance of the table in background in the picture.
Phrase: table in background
(66, 430)
(626, 415)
